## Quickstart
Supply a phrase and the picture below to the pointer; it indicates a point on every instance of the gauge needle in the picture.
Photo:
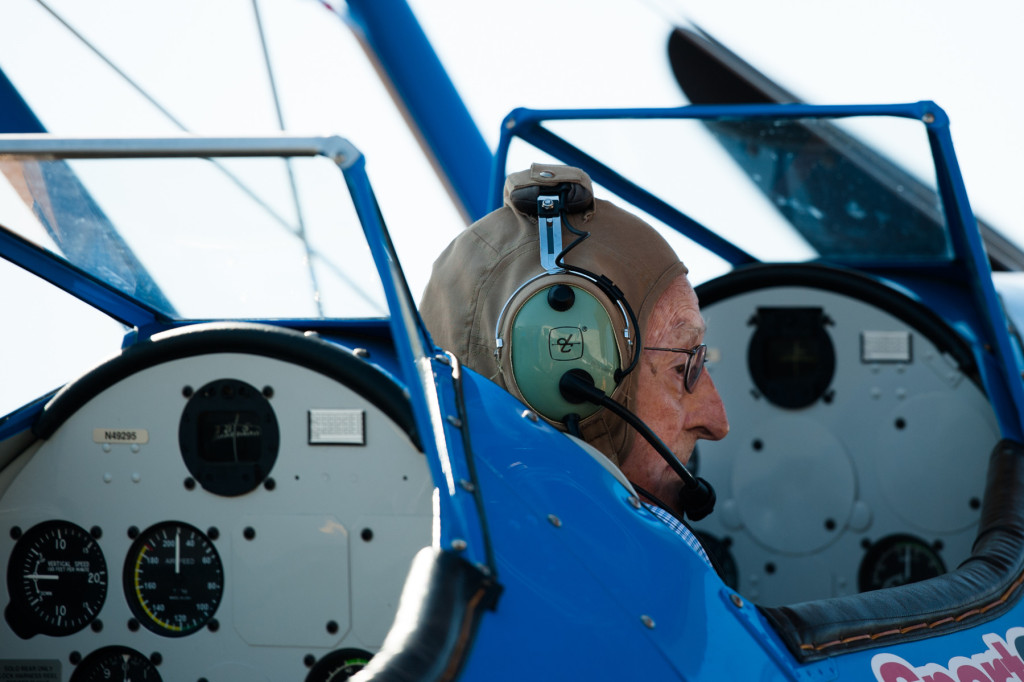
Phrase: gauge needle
(234, 435)
(177, 552)
(42, 576)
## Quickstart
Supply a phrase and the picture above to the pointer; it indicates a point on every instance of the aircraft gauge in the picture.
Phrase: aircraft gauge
(173, 579)
(791, 357)
(229, 437)
(339, 665)
(898, 560)
(57, 580)
(115, 664)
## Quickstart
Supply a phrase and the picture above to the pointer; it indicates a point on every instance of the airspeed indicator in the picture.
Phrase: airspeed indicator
(173, 579)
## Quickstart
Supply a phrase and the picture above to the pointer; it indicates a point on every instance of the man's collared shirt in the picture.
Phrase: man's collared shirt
(681, 530)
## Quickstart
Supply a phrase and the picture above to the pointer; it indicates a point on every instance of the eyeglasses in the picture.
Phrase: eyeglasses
(694, 363)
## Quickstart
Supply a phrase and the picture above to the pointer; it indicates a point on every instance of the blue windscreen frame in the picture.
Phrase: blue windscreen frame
(430, 376)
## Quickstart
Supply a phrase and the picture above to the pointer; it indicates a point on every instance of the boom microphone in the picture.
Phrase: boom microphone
(697, 497)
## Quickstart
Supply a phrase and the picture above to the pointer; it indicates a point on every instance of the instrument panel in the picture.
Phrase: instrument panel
(859, 440)
(221, 516)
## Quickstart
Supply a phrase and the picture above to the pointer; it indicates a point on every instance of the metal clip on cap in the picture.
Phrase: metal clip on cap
(549, 228)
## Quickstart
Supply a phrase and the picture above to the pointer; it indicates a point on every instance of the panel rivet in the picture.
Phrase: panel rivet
(647, 620)
(555, 521)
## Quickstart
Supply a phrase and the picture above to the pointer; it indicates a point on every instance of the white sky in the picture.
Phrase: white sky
(202, 61)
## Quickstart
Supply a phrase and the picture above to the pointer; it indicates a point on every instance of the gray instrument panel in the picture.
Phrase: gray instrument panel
(311, 560)
(857, 453)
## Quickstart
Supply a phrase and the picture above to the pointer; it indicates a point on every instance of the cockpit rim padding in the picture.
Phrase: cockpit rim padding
(985, 586)
(265, 340)
(441, 605)
(849, 283)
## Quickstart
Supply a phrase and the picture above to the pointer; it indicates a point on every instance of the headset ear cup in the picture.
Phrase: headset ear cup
(554, 327)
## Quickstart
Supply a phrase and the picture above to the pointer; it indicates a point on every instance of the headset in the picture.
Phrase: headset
(565, 318)
(567, 337)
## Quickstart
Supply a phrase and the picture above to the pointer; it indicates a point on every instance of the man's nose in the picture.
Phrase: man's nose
(710, 415)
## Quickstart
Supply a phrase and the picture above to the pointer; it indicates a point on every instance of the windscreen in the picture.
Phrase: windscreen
(202, 238)
(779, 189)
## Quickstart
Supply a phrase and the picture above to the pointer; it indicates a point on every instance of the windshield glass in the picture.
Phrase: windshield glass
(780, 189)
(203, 238)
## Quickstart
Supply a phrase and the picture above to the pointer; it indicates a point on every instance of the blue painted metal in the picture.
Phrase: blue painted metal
(428, 380)
(399, 44)
(15, 114)
(65, 276)
(971, 251)
(527, 124)
(524, 119)
(593, 586)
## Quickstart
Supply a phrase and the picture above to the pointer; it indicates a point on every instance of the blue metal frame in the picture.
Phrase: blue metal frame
(971, 253)
(430, 381)
(65, 276)
(527, 124)
(16, 116)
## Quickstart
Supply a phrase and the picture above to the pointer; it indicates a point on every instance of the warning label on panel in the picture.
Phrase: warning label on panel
(14, 670)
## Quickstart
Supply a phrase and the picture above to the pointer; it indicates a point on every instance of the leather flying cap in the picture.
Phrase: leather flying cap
(486, 266)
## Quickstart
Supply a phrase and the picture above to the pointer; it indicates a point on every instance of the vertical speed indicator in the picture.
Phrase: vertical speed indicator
(173, 579)
(57, 580)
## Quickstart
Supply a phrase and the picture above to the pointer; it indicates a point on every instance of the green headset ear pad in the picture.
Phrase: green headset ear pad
(544, 343)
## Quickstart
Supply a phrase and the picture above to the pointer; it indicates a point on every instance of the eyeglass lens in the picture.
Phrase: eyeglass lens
(694, 367)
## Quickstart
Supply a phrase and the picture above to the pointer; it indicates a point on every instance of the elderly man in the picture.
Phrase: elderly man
(516, 306)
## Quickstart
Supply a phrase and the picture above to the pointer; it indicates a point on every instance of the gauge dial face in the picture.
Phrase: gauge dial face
(57, 580)
(791, 357)
(115, 664)
(173, 579)
(229, 437)
(898, 560)
(339, 665)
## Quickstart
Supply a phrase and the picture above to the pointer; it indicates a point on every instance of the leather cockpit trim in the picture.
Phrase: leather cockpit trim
(1003, 599)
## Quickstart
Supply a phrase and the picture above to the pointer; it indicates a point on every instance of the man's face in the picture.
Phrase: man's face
(677, 416)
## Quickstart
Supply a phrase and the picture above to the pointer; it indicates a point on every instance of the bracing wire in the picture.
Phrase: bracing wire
(311, 252)
(301, 231)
